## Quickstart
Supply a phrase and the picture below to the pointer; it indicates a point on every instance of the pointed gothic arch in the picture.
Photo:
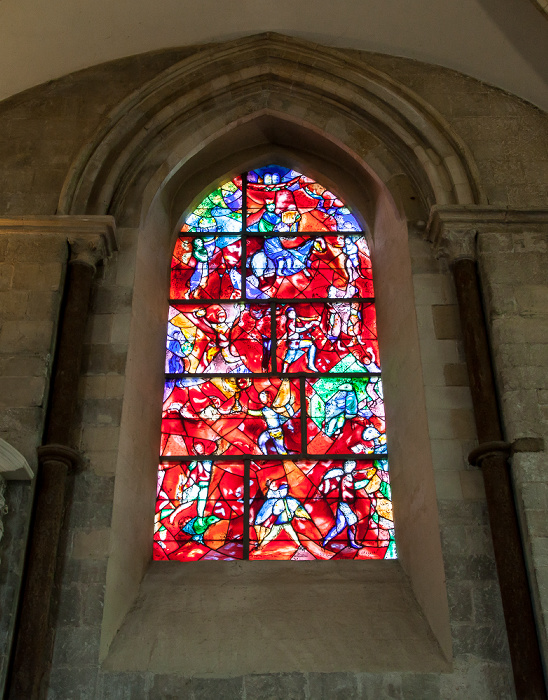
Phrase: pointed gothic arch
(223, 111)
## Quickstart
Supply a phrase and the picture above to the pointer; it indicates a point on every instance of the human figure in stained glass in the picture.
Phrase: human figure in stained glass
(342, 406)
(343, 318)
(375, 441)
(281, 507)
(276, 410)
(201, 271)
(194, 488)
(287, 261)
(344, 481)
(307, 309)
(269, 219)
(214, 318)
(296, 344)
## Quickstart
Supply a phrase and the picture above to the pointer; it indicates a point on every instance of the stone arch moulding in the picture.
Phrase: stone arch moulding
(195, 123)
(230, 83)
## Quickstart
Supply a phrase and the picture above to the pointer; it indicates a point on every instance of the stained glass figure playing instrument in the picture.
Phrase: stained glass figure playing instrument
(273, 429)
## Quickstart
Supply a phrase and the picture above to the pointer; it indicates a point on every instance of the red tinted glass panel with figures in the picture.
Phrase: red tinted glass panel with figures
(273, 438)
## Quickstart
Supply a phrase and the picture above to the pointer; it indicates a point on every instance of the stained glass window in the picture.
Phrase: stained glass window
(273, 430)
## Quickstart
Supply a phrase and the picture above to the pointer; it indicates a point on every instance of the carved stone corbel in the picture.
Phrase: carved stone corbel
(88, 250)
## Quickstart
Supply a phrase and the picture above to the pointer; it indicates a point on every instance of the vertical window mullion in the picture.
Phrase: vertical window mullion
(243, 262)
(247, 507)
(273, 338)
(304, 446)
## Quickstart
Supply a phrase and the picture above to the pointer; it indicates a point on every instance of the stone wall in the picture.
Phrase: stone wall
(41, 131)
(514, 266)
(31, 277)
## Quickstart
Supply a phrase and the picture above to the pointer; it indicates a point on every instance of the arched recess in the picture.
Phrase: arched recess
(390, 156)
(191, 102)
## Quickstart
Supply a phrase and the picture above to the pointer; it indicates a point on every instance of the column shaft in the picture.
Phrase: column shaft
(509, 555)
(34, 642)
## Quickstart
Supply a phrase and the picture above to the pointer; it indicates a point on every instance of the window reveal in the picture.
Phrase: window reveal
(273, 432)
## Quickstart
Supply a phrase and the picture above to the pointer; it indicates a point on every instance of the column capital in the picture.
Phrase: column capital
(90, 249)
(454, 229)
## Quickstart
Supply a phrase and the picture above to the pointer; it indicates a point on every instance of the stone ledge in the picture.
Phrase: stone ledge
(209, 619)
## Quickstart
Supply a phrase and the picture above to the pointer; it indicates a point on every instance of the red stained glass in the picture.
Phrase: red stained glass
(329, 337)
(218, 338)
(199, 511)
(270, 364)
(231, 416)
(321, 510)
(334, 267)
(285, 201)
(345, 415)
(206, 267)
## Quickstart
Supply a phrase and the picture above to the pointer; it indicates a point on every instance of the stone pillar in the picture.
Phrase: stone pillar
(57, 457)
(455, 232)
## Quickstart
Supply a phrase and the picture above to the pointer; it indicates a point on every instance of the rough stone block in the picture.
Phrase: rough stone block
(71, 683)
(456, 374)
(98, 329)
(114, 386)
(104, 359)
(420, 686)
(213, 688)
(433, 289)
(70, 605)
(111, 300)
(76, 646)
(447, 455)
(286, 686)
(532, 299)
(486, 642)
(95, 489)
(120, 328)
(93, 386)
(34, 248)
(102, 411)
(375, 686)
(92, 604)
(472, 485)
(448, 397)
(100, 439)
(43, 305)
(448, 485)
(168, 687)
(88, 515)
(455, 423)
(123, 686)
(91, 545)
(25, 336)
(446, 321)
(332, 686)
(22, 391)
(13, 304)
(486, 601)
(6, 276)
(103, 463)
(459, 596)
(39, 276)
(473, 679)
(537, 522)
(535, 496)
